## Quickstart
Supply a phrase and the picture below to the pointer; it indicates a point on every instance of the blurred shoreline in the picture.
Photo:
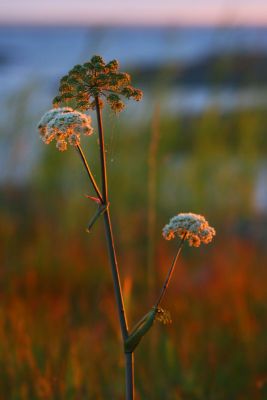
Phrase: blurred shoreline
(192, 60)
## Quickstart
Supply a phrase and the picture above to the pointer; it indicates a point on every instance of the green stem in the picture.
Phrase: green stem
(170, 272)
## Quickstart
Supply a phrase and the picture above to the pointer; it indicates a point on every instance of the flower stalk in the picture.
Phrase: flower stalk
(170, 272)
(89, 172)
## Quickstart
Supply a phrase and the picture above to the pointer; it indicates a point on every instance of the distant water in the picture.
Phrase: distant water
(48, 52)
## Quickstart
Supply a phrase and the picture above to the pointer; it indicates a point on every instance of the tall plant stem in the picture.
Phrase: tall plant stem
(113, 257)
(129, 375)
(89, 172)
(170, 272)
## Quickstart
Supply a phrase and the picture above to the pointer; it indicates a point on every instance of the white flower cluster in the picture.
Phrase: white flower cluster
(192, 227)
(64, 124)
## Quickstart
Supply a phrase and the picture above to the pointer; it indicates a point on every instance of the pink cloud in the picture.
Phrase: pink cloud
(135, 12)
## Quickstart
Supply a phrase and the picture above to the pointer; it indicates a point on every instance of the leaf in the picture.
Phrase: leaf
(95, 199)
(140, 329)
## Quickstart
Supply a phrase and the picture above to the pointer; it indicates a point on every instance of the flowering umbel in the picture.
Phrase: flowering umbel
(191, 227)
(95, 78)
(65, 126)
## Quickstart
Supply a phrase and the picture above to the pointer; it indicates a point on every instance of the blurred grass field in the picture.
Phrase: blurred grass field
(59, 334)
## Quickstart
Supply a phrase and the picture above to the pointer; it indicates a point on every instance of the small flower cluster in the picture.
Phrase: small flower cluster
(94, 79)
(163, 316)
(64, 124)
(192, 227)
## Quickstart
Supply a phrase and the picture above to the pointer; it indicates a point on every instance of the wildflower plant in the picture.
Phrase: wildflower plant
(87, 87)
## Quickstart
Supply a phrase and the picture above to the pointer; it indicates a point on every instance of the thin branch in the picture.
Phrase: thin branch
(89, 172)
(170, 272)
(101, 209)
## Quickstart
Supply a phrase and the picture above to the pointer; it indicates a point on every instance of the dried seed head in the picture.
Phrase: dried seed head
(95, 78)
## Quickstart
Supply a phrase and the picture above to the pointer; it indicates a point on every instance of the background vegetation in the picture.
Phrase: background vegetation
(59, 333)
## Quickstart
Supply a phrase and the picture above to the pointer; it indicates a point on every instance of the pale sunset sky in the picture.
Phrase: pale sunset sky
(248, 12)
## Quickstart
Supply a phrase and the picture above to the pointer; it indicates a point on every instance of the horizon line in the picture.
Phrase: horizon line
(148, 24)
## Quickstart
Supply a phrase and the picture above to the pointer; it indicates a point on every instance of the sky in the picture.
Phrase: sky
(233, 12)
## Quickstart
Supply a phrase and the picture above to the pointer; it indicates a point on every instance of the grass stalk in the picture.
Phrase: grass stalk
(152, 189)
